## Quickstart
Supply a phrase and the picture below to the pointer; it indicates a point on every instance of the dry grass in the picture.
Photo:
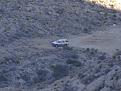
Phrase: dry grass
(113, 4)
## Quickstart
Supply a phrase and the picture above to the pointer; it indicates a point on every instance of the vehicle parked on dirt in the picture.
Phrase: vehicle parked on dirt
(60, 43)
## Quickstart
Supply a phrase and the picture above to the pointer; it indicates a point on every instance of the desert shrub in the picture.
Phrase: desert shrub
(68, 87)
(73, 62)
(42, 75)
(39, 76)
(25, 76)
(71, 54)
(88, 79)
(59, 71)
(75, 56)
(117, 53)
(68, 48)
(86, 30)
(10, 60)
(59, 10)
(102, 57)
(3, 78)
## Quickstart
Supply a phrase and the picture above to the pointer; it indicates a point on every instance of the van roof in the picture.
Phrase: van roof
(62, 39)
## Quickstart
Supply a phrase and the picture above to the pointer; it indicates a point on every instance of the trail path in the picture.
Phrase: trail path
(106, 41)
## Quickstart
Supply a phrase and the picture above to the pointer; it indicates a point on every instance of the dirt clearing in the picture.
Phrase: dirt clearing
(106, 41)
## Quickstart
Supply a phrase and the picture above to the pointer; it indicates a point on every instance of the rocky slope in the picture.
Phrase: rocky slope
(27, 65)
(42, 18)
(61, 70)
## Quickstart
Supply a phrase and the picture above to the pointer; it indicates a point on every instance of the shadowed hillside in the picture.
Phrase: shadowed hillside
(29, 63)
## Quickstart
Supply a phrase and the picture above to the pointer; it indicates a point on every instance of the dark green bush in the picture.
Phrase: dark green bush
(59, 70)
(73, 62)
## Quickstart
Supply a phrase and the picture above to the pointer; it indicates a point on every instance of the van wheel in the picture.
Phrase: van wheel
(56, 45)
(65, 46)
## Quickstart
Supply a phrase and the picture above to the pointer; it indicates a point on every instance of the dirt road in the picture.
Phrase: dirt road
(106, 41)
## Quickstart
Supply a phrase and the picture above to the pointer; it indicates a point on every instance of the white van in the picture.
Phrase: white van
(60, 43)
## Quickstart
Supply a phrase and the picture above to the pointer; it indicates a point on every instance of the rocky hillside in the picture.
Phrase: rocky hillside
(42, 18)
(60, 70)
(26, 64)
